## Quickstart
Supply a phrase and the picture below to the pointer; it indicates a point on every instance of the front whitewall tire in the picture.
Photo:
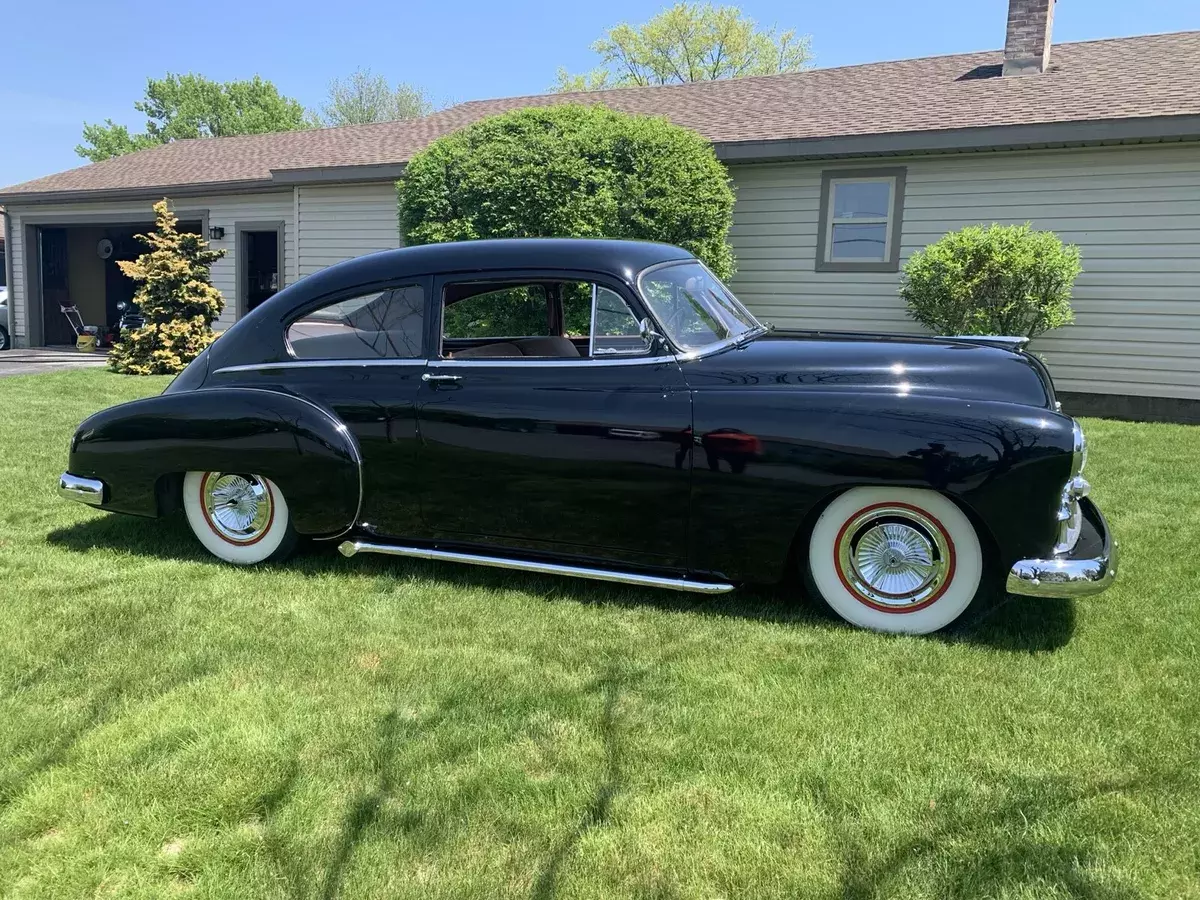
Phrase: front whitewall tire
(240, 518)
(895, 559)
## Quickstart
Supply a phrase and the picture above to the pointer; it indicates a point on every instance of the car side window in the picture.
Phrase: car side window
(564, 319)
(517, 311)
(385, 324)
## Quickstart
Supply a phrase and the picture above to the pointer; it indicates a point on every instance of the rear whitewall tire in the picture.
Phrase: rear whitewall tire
(240, 518)
(895, 559)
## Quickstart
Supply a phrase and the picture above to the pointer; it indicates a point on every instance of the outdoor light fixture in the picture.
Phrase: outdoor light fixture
(216, 232)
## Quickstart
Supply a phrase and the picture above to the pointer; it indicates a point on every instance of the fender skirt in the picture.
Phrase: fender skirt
(301, 446)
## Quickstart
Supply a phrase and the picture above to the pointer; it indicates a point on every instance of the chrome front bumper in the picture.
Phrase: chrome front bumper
(85, 490)
(1089, 569)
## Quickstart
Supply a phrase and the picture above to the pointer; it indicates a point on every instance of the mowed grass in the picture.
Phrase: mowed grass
(369, 728)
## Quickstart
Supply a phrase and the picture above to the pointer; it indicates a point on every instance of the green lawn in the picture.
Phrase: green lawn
(171, 726)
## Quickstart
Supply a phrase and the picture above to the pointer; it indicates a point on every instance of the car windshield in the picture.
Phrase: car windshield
(693, 307)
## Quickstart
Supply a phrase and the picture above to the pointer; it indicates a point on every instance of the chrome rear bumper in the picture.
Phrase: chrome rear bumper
(1067, 575)
(85, 490)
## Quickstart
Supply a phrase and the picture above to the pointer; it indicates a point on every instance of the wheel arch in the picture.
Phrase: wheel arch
(142, 449)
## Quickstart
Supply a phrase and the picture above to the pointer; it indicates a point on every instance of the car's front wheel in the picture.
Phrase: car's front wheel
(5, 341)
(895, 559)
(239, 517)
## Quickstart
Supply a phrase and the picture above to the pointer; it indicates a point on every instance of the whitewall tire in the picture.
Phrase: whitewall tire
(239, 517)
(895, 559)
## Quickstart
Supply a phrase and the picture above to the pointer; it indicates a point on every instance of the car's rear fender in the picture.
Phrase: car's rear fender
(300, 445)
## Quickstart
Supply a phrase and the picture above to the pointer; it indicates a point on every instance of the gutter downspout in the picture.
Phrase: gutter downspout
(11, 324)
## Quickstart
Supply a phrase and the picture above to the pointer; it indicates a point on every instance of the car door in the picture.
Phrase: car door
(361, 353)
(582, 453)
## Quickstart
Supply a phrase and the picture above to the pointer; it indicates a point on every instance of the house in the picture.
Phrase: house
(840, 175)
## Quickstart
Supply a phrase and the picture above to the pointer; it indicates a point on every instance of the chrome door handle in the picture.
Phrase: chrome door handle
(440, 379)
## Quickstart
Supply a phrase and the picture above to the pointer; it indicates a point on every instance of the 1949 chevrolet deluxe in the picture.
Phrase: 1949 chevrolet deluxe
(609, 410)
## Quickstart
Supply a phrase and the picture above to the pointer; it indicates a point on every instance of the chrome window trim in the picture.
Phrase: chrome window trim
(343, 430)
(536, 361)
(592, 328)
(708, 349)
(319, 364)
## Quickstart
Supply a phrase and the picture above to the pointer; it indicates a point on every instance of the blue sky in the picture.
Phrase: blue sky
(70, 62)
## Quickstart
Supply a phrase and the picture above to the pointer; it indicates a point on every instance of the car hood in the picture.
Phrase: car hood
(887, 364)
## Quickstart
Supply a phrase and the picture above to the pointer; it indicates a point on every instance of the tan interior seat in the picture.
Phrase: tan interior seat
(542, 347)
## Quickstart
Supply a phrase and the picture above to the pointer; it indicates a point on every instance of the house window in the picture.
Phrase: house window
(860, 220)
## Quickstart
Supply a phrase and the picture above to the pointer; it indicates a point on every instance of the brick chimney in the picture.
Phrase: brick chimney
(1027, 44)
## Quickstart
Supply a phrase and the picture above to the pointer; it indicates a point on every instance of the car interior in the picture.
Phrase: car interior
(545, 319)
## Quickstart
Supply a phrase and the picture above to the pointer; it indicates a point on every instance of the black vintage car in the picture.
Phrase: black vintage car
(609, 410)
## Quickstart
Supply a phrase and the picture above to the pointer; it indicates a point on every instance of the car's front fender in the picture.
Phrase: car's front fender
(298, 444)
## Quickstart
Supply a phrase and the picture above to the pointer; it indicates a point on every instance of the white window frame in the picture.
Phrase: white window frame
(830, 180)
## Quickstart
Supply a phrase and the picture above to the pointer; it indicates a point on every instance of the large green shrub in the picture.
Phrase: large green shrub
(176, 297)
(571, 171)
(998, 279)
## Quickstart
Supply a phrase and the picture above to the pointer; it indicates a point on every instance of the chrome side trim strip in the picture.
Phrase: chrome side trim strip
(351, 548)
(85, 490)
(319, 364)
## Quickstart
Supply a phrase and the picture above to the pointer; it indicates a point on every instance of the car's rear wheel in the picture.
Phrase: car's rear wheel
(895, 559)
(239, 517)
(5, 342)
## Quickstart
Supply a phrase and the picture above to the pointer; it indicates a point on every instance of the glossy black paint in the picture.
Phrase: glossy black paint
(712, 465)
(299, 446)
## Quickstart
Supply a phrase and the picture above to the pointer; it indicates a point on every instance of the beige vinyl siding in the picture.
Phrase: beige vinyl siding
(338, 222)
(222, 211)
(1134, 212)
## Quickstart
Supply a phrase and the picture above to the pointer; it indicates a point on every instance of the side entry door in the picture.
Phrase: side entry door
(548, 425)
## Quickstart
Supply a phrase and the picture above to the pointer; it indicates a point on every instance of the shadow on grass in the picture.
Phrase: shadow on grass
(989, 844)
(1016, 624)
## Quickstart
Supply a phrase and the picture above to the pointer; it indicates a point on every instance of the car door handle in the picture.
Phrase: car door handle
(435, 380)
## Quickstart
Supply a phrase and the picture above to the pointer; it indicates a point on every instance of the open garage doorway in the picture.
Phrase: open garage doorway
(77, 265)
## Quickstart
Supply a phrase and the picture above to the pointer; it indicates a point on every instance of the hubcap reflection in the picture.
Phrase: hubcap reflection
(894, 557)
(238, 507)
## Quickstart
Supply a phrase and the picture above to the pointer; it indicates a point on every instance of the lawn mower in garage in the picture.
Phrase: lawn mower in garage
(87, 337)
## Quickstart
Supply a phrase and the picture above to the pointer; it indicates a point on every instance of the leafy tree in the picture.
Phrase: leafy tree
(571, 171)
(176, 297)
(364, 98)
(999, 279)
(192, 106)
(691, 42)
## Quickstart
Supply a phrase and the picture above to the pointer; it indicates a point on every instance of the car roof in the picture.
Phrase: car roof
(625, 258)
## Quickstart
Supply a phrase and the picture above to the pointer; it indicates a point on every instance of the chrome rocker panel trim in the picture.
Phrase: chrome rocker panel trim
(85, 490)
(1065, 576)
(352, 548)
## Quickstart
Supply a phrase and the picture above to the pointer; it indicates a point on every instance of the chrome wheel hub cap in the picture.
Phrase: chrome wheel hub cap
(238, 507)
(894, 558)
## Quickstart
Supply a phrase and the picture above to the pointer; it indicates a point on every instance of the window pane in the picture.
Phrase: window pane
(518, 311)
(382, 325)
(861, 199)
(693, 307)
(618, 332)
(859, 242)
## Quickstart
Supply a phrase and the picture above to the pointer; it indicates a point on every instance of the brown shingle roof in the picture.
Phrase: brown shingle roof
(1118, 79)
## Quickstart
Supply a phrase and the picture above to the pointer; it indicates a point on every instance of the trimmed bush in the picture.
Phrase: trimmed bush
(176, 297)
(998, 279)
(571, 171)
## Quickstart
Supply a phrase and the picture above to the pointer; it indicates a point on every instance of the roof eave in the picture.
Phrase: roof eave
(951, 140)
(901, 143)
(142, 193)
